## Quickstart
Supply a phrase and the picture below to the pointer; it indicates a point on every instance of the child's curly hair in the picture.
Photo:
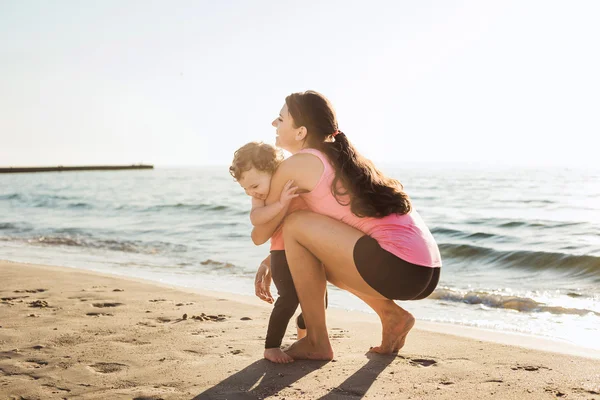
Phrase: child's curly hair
(262, 156)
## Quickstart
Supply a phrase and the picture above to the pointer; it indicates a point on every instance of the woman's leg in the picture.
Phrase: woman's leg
(310, 287)
(300, 325)
(396, 322)
(318, 247)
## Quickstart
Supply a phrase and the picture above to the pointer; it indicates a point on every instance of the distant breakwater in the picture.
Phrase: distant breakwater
(60, 168)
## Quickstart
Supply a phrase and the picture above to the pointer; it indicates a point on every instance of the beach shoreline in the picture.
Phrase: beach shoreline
(91, 335)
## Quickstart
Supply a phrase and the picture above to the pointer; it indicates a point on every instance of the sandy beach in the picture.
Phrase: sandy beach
(72, 334)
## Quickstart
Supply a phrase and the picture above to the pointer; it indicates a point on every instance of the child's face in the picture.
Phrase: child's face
(256, 183)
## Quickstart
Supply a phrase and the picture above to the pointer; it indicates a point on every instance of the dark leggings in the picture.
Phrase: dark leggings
(390, 275)
(286, 303)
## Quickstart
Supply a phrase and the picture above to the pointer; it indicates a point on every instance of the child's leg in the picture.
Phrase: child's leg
(284, 307)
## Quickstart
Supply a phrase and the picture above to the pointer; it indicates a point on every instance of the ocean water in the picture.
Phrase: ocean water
(520, 247)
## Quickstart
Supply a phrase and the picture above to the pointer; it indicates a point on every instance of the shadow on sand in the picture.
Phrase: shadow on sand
(263, 379)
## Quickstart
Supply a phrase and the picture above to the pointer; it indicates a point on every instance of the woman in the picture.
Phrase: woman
(362, 233)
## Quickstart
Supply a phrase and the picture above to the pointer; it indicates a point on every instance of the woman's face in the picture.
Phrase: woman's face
(288, 136)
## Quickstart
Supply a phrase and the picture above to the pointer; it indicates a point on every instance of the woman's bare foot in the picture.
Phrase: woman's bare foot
(402, 339)
(303, 349)
(395, 327)
(277, 355)
(301, 333)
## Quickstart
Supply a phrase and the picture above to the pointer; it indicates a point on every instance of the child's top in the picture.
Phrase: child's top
(405, 236)
(277, 238)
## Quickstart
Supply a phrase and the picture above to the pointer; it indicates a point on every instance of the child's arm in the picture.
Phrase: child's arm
(261, 214)
(262, 281)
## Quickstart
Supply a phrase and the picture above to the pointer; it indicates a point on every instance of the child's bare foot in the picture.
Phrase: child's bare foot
(301, 333)
(277, 355)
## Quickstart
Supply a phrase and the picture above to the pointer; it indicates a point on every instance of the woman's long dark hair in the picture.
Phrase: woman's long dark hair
(371, 193)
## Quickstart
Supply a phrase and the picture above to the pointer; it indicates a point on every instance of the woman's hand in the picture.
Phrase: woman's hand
(288, 193)
(262, 281)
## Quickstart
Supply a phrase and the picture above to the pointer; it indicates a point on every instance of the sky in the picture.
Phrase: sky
(187, 82)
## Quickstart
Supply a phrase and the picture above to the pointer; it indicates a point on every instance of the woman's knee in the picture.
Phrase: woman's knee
(295, 222)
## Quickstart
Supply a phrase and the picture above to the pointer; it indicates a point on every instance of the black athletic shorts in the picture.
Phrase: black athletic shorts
(390, 275)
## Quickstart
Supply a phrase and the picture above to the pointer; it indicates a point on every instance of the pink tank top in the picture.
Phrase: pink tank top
(277, 237)
(405, 236)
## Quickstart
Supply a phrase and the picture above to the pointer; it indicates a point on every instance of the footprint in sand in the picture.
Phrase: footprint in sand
(68, 340)
(31, 363)
(82, 297)
(204, 317)
(339, 334)
(107, 368)
(104, 305)
(7, 355)
(54, 389)
(13, 298)
(98, 314)
(421, 362)
(132, 341)
(10, 299)
(587, 391)
(529, 368)
(556, 392)
(31, 291)
(51, 386)
(39, 304)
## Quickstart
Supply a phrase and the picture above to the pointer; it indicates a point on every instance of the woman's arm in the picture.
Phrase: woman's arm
(305, 171)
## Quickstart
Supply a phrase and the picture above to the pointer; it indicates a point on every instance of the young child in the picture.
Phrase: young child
(252, 167)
